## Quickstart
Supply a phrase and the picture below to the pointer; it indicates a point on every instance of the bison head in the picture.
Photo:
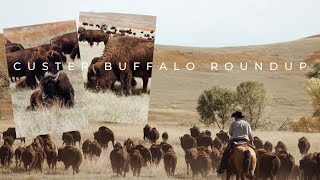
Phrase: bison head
(98, 78)
(55, 61)
(49, 86)
(81, 30)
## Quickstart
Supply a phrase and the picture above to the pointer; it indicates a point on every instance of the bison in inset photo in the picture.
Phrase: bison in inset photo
(33, 63)
(94, 36)
(54, 89)
(120, 52)
(85, 23)
(303, 145)
(11, 132)
(70, 156)
(13, 47)
(67, 43)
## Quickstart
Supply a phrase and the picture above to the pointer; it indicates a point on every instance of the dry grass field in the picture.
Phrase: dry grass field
(174, 93)
(30, 123)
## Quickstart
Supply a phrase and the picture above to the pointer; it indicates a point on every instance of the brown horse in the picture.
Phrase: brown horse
(242, 162)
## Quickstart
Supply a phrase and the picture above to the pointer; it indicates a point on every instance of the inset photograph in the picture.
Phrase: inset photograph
(117, 52)
(46, 83)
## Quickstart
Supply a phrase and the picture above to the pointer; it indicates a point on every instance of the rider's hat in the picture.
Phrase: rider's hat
(237, 114)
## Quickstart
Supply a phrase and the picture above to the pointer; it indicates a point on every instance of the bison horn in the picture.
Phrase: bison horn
(57, 77)
(94, 71)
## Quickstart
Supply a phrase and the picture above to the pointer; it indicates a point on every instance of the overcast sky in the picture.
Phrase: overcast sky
(202, 23)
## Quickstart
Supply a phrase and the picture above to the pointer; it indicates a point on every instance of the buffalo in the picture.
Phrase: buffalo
(18, 155)
(165, 137)
(67, 43)
(170, 162)
(94, 36)
(280, 146)
(51, 156)
(11, 132)
(257, 142)
(6, 154)
(303, 145)
(146, 131)
(287, 164)
(157, 153)
(120, 160)
(33, 63)
(103, 136)
(54, 89)
(309, 166)
(223, 136)
(122, 53)
(70, 156)
(268, 165)
(136, 161)
(29, 158)
(13, 47)
(268, 146)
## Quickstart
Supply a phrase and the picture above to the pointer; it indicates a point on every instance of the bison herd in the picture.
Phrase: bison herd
(30, 65)
(202, 153)
(123, 50)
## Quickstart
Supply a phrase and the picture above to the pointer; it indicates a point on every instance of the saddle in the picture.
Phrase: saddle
(241, 143)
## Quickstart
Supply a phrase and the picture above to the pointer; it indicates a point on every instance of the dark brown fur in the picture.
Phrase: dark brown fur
(70, 156)
(103, 136)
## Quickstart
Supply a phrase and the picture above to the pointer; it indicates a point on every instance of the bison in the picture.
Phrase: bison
(70, 156)
(309, 166)
(205, 162)
(217, 143)
(146, 131)
(67, 43)
(303, 145)
(94, 36)
(268, 165)
(13, 47)
(136, 161)
(18, 155)
(76, 137)
(170, 162)
(6, 154)
(280, 146)
(154, 135)
(223, 136)
(51, 156)
(257, 142)
(11, 132)
(191, 157)
(33, 63)
(157, 153)
(287, 164)
(120, 52)
(103, 136)
(54, 89)
(194, 131)
(120, 160)
(268, 146)
(165, 137)
(29, 158)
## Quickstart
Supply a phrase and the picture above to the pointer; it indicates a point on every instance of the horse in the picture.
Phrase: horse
(242, 162)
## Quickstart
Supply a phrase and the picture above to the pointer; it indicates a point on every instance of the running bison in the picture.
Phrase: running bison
(120, 160)
(54, 89)
(129, 57)
(103, 136)
(70, 156)
(268, 165)
(303, 145)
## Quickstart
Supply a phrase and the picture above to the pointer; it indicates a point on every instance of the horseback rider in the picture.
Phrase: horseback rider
(239, 131)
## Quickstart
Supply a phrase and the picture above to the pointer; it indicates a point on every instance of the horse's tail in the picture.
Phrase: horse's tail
(246, 164)
(276, 165)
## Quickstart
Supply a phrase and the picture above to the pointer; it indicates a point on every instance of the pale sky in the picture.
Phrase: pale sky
(202, 23)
